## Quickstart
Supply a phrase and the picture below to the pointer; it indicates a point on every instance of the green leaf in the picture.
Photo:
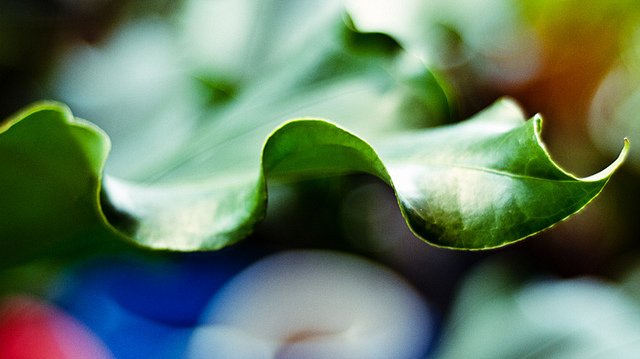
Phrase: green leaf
(538, 318)
(479, 184)
(486, 182)
(49, 180)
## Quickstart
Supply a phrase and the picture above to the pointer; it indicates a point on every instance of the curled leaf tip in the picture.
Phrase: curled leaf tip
(606, 173)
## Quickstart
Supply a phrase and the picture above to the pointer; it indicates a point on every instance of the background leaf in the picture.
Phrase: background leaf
(539, 317)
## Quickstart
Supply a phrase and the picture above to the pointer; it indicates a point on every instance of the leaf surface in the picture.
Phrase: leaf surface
(479, 184)
(51, 165)
(486, 182)
(334, 101)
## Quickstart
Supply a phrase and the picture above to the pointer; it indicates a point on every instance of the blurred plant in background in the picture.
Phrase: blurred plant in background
(165, 68)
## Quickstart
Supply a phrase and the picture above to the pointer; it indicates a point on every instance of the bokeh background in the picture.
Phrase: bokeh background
(575, 62)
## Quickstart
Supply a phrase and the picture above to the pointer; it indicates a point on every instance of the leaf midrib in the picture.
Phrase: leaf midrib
(571, 178)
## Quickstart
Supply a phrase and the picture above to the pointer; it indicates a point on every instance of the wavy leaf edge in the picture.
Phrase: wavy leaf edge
(255, 217)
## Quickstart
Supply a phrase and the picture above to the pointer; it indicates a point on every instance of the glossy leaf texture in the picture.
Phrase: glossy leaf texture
(479, 184)
(486, 182)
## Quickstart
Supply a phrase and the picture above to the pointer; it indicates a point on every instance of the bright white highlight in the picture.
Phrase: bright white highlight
(314, 304)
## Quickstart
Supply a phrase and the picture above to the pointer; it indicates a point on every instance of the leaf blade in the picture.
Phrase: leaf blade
(512, 191)
(455, 204)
